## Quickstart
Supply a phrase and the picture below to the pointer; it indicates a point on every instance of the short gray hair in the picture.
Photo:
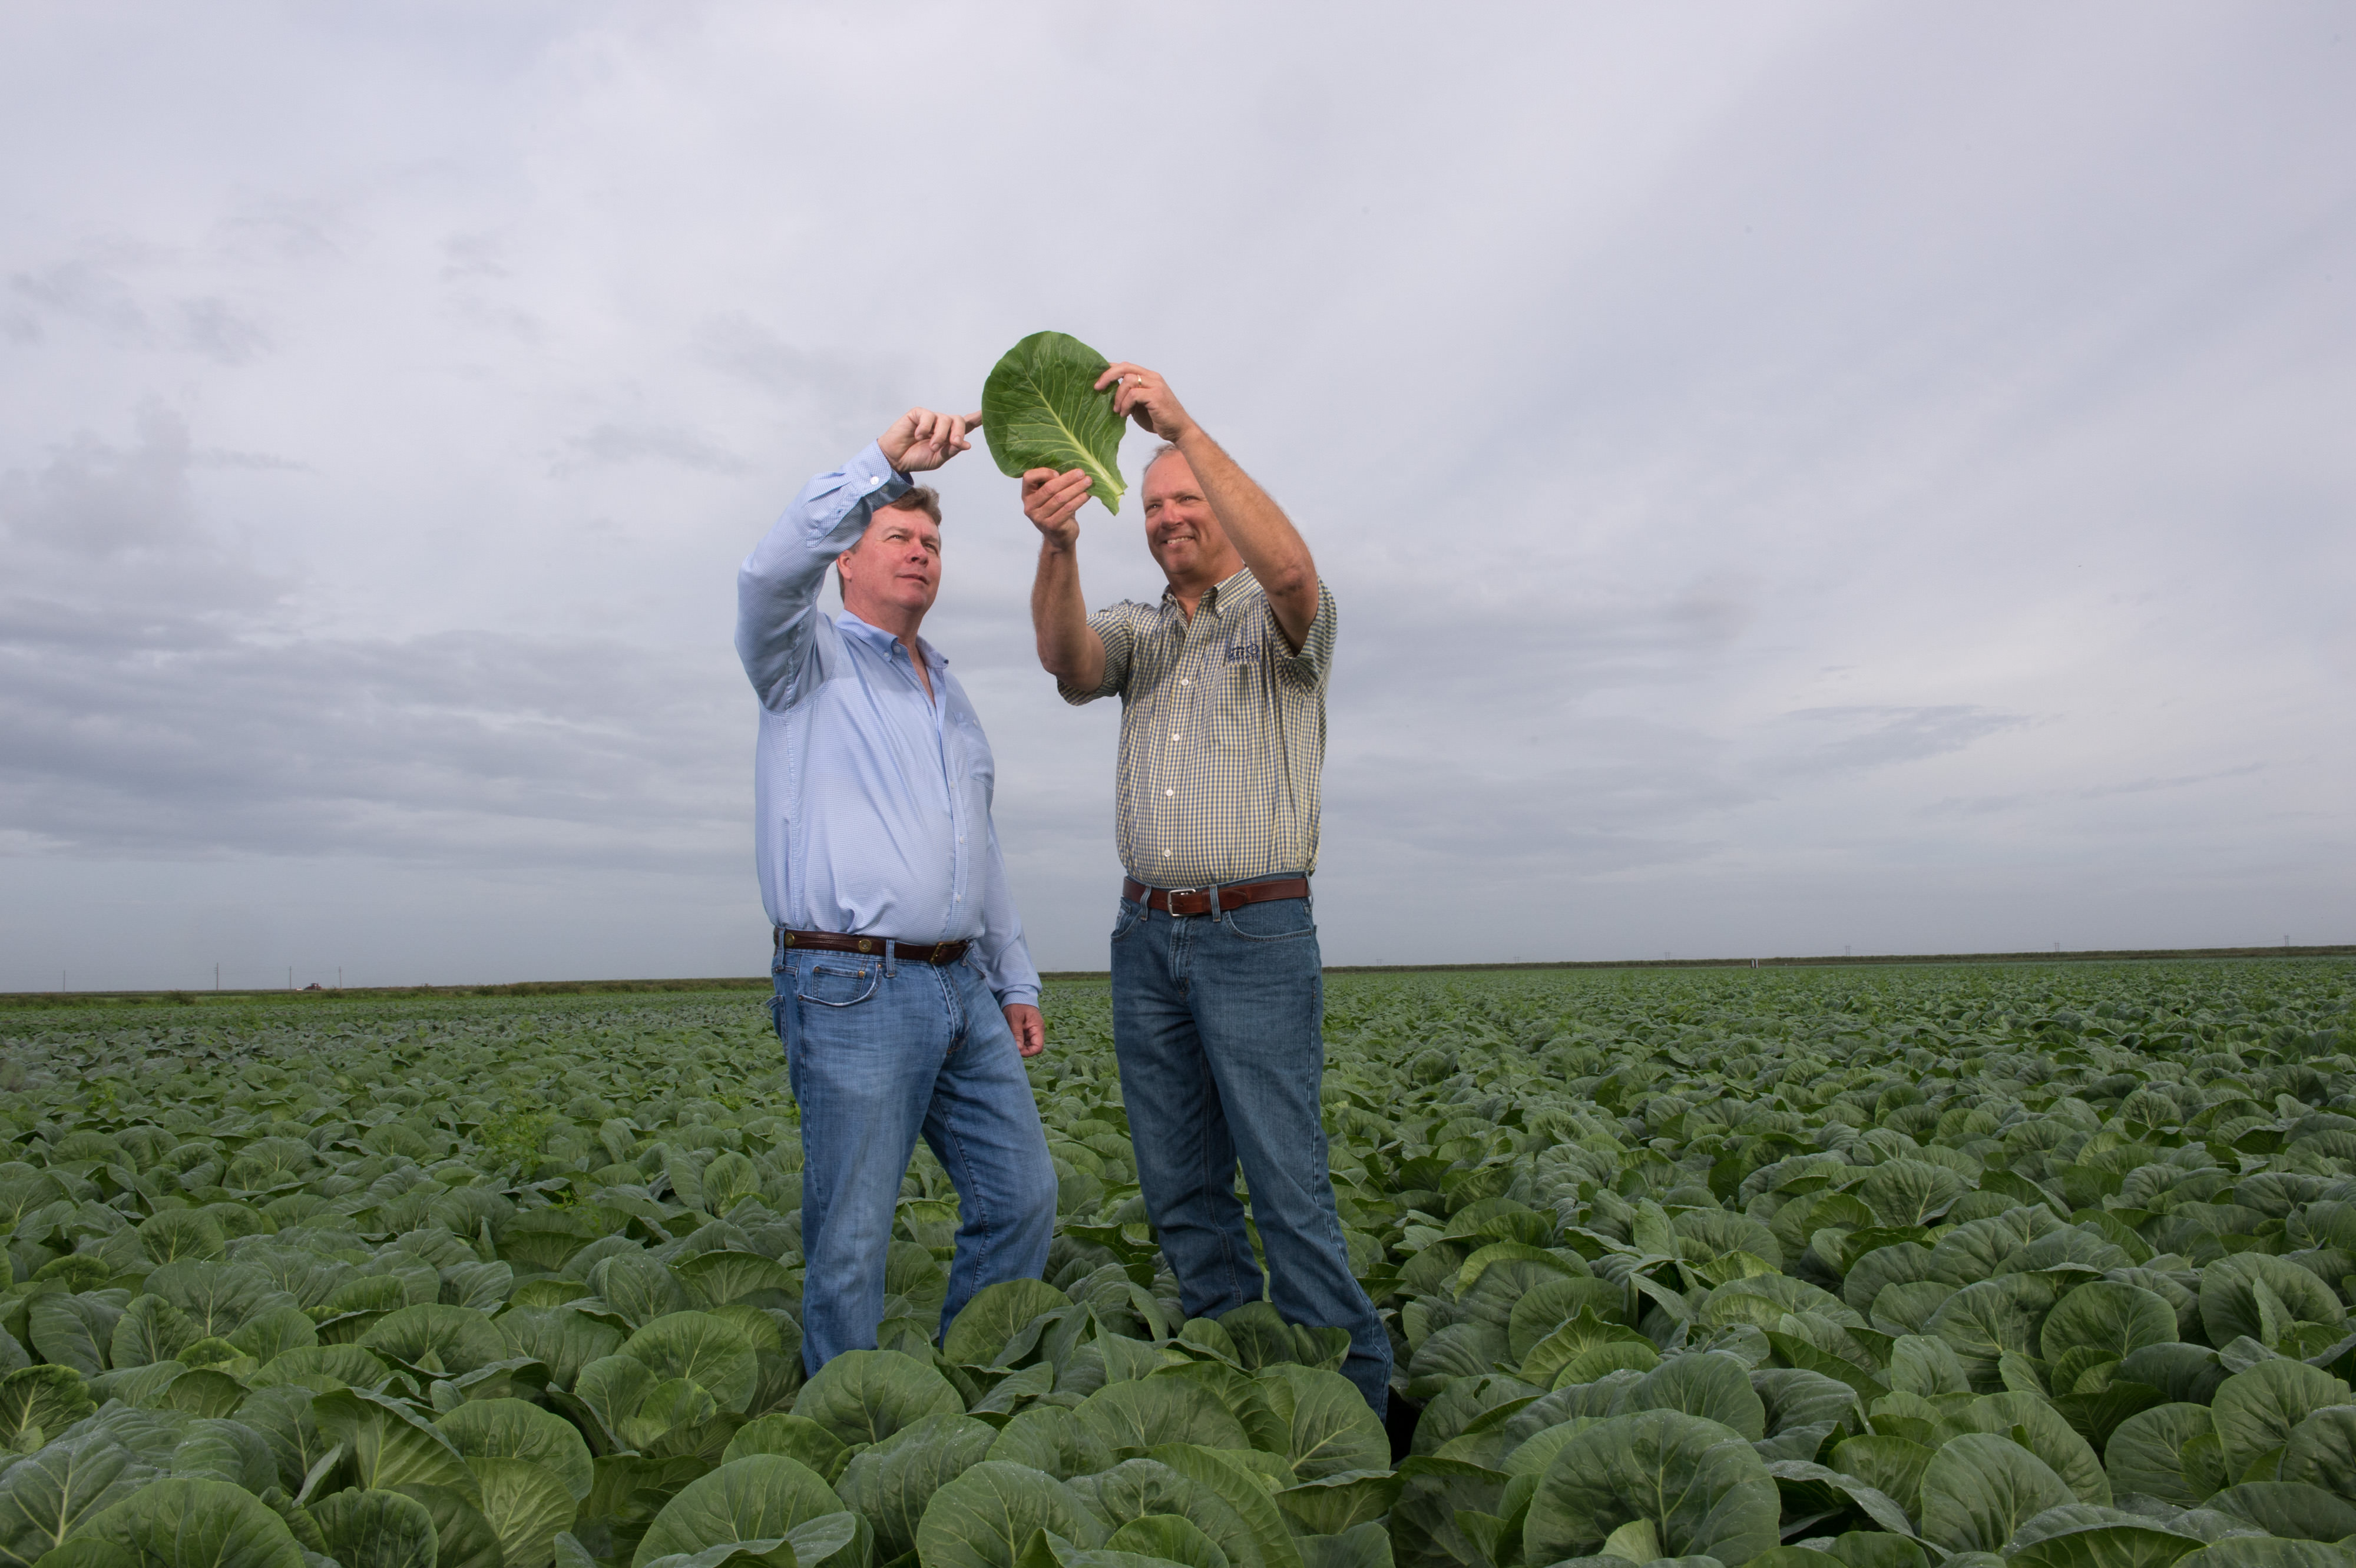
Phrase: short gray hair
(1167, 448)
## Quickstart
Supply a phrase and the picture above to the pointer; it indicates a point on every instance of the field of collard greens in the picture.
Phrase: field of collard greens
(1927, 1268)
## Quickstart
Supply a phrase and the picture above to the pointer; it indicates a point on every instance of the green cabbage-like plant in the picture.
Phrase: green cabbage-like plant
(1039, 408)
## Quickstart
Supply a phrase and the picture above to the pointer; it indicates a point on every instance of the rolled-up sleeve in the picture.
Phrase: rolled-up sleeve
(1116, 628)
(777, 585)
(1310, 668)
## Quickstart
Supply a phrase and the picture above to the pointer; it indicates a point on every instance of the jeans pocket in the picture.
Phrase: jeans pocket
(1278, 920)
(837, 985)
(1127, 918)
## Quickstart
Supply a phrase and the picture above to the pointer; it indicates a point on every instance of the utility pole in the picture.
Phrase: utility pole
(216, 977)
(290, 977)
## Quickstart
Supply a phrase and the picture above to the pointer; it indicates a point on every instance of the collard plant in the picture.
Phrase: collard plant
(1941, 1269)
(1041, 409)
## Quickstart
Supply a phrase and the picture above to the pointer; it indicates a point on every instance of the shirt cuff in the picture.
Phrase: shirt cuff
(873, 478)
(1027, 995)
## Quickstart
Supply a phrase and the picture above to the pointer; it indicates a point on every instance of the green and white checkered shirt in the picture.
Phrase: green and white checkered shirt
(1221, 734)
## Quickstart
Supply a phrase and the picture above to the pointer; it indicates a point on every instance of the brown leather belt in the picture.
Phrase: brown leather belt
(909, 952)
(1198, 900)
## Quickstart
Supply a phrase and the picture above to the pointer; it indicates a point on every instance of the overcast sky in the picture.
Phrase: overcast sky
(1795, 478)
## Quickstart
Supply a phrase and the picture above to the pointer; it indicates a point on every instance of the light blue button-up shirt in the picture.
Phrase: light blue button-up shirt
(871, 798)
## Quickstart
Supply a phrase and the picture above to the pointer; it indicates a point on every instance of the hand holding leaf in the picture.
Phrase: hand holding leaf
(1053, 501)
(1141, 396)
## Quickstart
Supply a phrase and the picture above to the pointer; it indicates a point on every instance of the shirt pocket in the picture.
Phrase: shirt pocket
(1242, 700)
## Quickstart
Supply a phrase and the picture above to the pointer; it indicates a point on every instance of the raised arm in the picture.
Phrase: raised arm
(777, 585)
(1271, 547)
(1069, 648)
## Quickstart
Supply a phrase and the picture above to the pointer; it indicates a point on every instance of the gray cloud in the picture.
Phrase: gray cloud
(183, 709)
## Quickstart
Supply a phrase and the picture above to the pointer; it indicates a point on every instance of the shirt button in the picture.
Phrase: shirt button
(1165, 854)
(1186, 680)
(1174, 737)
(1170, 791)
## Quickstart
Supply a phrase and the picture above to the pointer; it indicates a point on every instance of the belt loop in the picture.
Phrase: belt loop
(1214, 903)
(891, 959)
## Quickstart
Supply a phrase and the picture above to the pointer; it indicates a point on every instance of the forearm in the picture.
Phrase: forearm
(1270, 546)
(778, 586)
(1069, 648)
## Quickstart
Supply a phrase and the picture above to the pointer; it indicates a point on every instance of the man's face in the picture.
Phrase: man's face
(897, 563)
(1180, 527)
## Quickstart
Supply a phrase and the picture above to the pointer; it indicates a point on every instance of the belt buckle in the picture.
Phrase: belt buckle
(1171, 899)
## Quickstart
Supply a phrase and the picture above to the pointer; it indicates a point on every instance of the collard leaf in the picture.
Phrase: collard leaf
(2322, 1451)
(890, 1484)
(1046, 1437)
(1979, 1487)
(1242, 1488)
(1713, 1386)
(985, 1517)
(1159, 1410)
(526, 1503)
(1329, 1428)
(463, 1538)
(1696, 1483)
(43, 1497)
(1041, 410)
(2255, 1411)
(2290, 1508)
(1339, 1503)
(2113, 1318)
(562, 1341)
(1170, 1539)
(759, 1497)
(865, 1396)
(375, 1530)
(702, 1349)
(39, 1400)
(1140, 1489)
(517, 1429)
(437, 1340)
(2037, 1426)
(796, 1437)
(987, 1322)
(390, 1445)
(187, 1523)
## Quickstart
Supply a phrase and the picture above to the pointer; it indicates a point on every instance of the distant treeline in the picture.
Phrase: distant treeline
(761, 983)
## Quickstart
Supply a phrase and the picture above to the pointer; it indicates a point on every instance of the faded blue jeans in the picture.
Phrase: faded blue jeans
(879, 1054)
(1220, 1024)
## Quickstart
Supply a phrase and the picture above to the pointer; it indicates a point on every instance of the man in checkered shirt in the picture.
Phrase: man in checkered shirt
(1219, 989)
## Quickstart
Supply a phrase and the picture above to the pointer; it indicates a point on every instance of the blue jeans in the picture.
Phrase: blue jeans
(1219, 1027)
(879, 1053)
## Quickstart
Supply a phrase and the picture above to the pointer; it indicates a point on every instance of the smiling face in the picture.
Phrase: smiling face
(1181, 529)
(891, 575)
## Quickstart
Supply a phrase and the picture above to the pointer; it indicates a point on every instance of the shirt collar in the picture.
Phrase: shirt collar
(1212, 595)
(883, 642)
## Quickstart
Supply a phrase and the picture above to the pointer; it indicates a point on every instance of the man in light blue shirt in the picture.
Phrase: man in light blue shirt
(905, 998)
